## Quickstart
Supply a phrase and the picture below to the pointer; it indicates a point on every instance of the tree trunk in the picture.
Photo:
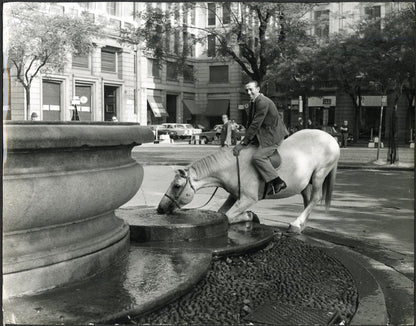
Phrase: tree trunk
(27, 90)
(392, 155)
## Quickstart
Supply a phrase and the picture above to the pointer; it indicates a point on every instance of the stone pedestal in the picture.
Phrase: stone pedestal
(61, 185)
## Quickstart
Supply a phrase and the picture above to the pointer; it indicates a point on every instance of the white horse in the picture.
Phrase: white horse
(309, 160)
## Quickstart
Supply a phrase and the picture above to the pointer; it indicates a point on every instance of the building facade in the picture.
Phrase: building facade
(122, 81)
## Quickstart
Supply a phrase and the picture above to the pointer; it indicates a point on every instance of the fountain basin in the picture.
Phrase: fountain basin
(62, 182)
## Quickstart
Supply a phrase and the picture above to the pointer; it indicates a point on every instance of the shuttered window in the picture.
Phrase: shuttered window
(211, 14)
(211, 46)
(226, 13)
(171, 71)
(80, 61)
(188, 73)
(218, 74)
(108, 60)
(152, 68)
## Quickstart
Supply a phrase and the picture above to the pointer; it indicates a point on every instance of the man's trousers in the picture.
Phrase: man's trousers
(262, 163)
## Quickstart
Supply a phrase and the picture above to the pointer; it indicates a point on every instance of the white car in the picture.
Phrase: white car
(182, 129)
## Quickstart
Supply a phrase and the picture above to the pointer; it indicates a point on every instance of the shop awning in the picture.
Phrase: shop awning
(192, 107)
(156, 105)
(217, 107)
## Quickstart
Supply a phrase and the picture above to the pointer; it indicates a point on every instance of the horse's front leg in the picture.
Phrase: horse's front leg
(237, 213)
(227, 204)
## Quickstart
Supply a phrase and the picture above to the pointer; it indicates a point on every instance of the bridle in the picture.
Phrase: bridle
(175, 200)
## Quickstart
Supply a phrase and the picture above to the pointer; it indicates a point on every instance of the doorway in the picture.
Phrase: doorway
(110, 102)
(171, 107)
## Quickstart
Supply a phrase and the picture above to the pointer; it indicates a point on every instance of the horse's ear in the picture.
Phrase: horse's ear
(181, 173)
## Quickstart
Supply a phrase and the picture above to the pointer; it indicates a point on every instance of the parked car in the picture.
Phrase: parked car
(161, 130)
(183, 130)
(215, 133)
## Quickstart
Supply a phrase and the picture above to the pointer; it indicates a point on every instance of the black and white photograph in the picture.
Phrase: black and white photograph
(208, 163)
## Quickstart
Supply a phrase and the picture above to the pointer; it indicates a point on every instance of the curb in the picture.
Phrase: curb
(386, 296)
(371, 308)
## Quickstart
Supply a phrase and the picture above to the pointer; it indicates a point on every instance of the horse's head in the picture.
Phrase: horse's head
(179, 193)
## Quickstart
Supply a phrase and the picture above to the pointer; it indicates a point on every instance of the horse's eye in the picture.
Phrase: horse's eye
(176, 186)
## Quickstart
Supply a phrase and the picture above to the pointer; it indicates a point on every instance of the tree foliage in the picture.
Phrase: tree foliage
(256, 35)
(39, 42)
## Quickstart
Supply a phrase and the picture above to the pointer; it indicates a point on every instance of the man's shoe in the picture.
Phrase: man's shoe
(275, 186)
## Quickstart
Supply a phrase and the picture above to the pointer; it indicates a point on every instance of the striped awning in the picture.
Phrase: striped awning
(157, 107)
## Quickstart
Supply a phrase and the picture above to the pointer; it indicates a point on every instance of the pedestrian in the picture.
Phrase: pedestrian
(114, 119)
(344, 133)
(266, 130)
(226, 131)
(299, 125)
(34, 116)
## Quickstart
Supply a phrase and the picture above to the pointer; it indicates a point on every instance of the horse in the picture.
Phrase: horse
(309, 160)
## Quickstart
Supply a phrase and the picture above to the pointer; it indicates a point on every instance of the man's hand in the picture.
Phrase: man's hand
(237, 149)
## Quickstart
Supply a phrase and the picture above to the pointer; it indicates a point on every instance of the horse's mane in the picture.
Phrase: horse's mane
(211, 163)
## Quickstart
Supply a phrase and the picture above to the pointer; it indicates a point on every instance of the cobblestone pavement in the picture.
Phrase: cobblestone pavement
(287, 272)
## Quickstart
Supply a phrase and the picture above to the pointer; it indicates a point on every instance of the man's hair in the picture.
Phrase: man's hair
(253, 81)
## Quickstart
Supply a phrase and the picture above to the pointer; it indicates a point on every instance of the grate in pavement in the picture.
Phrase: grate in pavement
(276, 313)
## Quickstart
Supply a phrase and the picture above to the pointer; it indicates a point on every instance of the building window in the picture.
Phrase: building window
(51, 100)
(108, 60)
(211, 46)
(218, 74)
(193, 9)
(188, 73)
(374, 13)
(84, 93)
(211, 14)
(226, 13)
(153, 68)
(171, 71)
(81, 61)
(322, 23)
(111, 8)
(176, 43)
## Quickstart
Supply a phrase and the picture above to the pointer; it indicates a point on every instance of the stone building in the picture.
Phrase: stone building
(121, 80)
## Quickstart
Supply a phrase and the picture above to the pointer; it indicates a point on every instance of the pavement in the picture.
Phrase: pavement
(380, 255)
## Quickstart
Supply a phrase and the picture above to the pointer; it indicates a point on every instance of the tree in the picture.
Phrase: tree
(39, 42)
(253, 34)
(381, 59)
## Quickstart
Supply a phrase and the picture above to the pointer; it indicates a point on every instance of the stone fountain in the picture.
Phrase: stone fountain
(70, 255)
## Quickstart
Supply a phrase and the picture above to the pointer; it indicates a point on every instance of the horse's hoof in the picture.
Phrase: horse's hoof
(294, 230)
(255, 218)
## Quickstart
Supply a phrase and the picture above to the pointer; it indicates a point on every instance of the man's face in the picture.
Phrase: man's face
(252, 90)
(224, 118)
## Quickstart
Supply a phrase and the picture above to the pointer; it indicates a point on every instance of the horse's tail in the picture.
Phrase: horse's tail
(328, 187)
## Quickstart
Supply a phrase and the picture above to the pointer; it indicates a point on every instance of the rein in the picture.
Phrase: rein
(173, 200)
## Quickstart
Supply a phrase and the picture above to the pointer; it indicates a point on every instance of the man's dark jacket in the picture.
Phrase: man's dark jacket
(264, 123)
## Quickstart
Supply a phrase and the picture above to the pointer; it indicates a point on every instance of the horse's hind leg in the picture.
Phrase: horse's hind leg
(229, 202)
(299, 224)
(306, 195)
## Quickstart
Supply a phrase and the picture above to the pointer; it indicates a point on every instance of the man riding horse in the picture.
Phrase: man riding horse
(266, 130)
